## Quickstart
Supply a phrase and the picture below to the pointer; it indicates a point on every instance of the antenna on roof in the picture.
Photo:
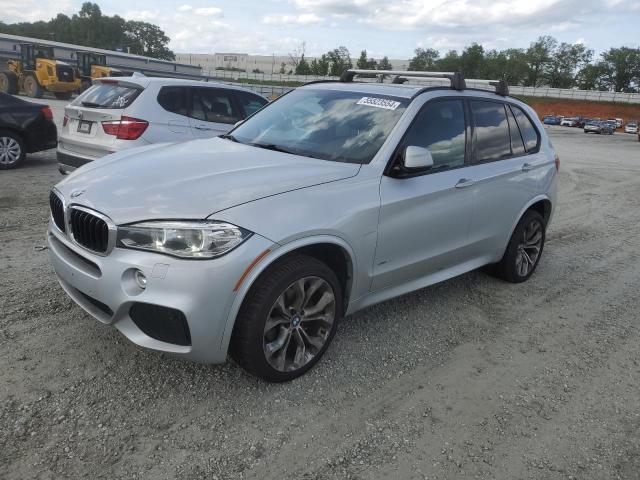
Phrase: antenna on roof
(456, 78)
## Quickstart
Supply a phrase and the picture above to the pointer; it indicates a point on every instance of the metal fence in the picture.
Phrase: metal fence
(274, 85)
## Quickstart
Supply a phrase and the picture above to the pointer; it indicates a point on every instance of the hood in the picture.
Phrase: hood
(192, 180)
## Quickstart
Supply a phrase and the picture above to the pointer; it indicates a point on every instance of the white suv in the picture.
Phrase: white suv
(125, 112)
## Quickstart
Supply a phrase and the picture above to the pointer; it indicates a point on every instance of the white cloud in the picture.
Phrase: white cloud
(33, 10)
(284, 19)
(185, 8)
(208, 11)
(141, 15)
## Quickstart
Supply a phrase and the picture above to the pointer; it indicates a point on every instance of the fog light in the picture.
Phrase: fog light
(141, 280)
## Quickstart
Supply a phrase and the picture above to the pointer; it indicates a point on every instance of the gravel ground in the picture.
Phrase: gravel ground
(471, 378)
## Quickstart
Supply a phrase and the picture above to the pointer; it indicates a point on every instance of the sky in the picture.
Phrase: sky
(394, 28)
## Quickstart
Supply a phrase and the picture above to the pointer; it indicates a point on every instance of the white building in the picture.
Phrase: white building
(252, 63)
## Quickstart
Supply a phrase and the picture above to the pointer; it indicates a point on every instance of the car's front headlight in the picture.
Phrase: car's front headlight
(182, 238)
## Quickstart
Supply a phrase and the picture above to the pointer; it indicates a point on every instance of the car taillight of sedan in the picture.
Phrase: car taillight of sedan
(127, 128)
(48, 114)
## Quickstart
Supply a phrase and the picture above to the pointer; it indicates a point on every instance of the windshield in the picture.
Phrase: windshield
(107, 95)
(326, 124)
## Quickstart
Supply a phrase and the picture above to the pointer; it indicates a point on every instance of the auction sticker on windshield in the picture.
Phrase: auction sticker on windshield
(379, 103)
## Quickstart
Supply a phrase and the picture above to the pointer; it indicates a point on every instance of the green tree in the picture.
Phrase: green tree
(592, 77)
(340, 60)
(147, 39)
(303, 67)
(538, 56)
(472, 61)
(564, 62)
(384, 64)
(621, 69)
(365, 62)
(424, 59)
(449, 63)
(320, 66)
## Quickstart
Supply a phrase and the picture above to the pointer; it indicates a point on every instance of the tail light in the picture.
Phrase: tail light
(65, 120)
(46, 111)
(557, 160)
(127, 128)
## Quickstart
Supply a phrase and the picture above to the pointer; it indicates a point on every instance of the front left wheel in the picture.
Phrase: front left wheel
(288, 319)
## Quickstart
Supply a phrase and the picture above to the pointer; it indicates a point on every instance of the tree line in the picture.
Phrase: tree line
(546, 62)
(91, 28)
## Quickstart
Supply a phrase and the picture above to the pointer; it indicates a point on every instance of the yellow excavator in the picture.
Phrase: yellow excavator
(92, 66)
(37, 71)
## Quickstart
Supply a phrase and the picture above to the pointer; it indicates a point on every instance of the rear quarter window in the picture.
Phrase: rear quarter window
(107, 95)
(174, 99)
(529, 133)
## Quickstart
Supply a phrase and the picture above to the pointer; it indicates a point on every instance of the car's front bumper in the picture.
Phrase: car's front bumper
(203, 290)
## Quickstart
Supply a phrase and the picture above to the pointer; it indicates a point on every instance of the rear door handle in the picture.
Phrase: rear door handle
(526, 167)
(464, 182)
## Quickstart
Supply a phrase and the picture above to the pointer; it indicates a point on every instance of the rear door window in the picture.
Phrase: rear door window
(249, 102)
(529, 133)
(213, 105)
(493, 141)
(107, 95)
(174, 99)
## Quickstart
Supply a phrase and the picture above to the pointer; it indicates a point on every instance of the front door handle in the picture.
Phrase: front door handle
(464, 182)
(202, 127)
(526, 167)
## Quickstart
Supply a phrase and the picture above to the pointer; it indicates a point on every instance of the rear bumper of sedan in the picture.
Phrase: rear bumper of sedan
(42, 137)
(184, 307)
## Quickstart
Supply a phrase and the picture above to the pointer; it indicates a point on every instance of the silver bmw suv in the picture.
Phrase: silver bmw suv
(337, 196)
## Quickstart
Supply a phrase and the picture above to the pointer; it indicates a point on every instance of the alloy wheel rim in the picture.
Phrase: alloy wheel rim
(9, 150)
(299, 323)
(529, 248)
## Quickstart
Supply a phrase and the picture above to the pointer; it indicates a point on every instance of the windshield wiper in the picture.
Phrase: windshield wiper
(91, 105)
(272, 146)
(228, 136)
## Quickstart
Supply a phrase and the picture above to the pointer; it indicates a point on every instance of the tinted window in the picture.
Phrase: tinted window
(213, 105)
(528, 131)
(517, 146)
(173, 99)
(107, 95)
(326, 124)
(250, 103)
(440, 127)
(493, 141)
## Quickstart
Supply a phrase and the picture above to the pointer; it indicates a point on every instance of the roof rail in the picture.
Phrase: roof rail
(456, 78)
(501, 86)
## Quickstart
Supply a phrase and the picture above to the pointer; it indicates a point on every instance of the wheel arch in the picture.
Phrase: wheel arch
(541, 204)
(323, 247)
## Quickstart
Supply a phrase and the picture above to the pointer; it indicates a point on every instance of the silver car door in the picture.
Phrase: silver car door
(424, 218)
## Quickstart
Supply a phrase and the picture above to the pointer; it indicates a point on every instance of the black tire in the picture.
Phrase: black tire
(31, 87)
(247, 342)
(8, 83)
(62, 95)
(11, 139)
(507, 269)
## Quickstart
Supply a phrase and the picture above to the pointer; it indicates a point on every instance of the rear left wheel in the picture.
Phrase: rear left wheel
(288, 319)
(12, 151)
(524, 249)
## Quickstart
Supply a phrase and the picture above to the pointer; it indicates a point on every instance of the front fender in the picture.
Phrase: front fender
(267, 260)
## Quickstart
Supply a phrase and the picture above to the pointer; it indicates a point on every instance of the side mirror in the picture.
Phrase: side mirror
(417, 158)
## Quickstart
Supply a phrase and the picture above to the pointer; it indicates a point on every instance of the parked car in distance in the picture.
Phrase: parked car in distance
(599, 126)
(119, 113)
(631, 127)
(25, 127)
(336, 196)
(569, 122)
(612, 125)
(619, 122)
(552, 120)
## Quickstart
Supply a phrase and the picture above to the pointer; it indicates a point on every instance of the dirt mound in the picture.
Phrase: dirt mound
(570, 108)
